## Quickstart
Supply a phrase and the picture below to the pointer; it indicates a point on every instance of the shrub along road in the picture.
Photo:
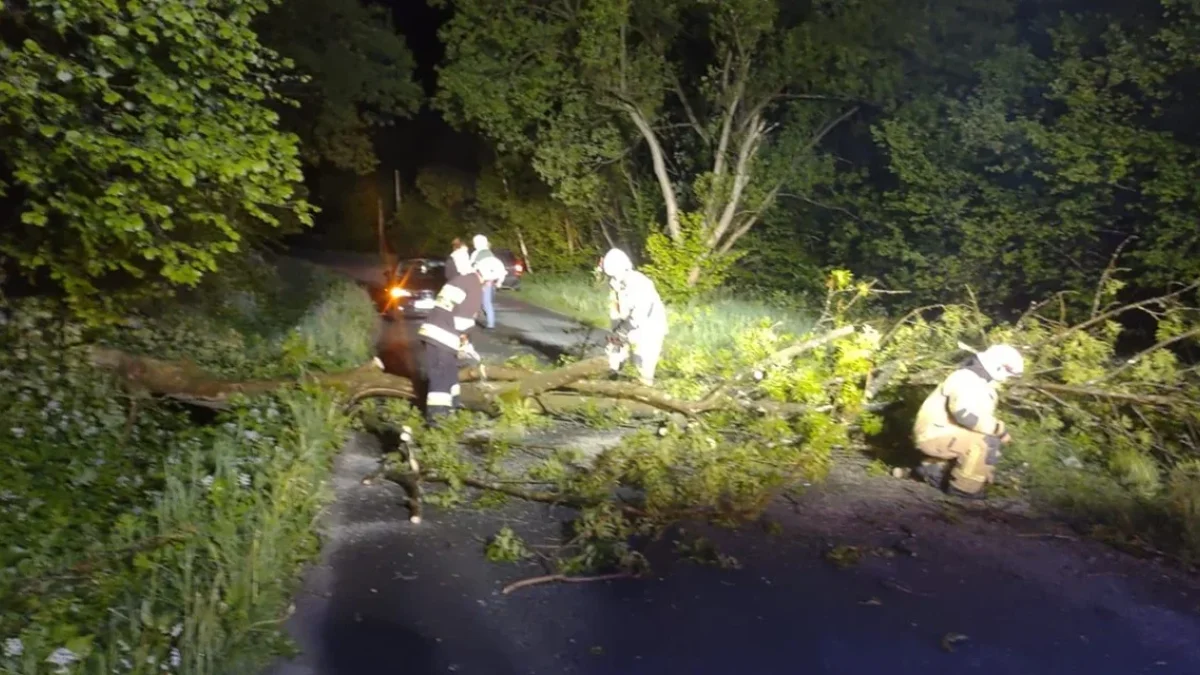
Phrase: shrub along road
(928, 586)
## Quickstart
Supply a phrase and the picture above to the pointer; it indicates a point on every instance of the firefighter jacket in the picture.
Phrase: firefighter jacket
(454, 311)
(966, 399)
(634, 305)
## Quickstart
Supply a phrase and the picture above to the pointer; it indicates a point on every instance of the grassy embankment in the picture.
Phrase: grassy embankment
(139, 536)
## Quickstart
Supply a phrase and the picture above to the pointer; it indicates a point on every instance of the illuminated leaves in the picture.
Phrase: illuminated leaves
(148, 152)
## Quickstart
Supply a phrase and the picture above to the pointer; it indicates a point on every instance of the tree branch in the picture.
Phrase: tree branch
(1108, 271)
(562, 578)
(658, 159)
(741, 177)
(1059, 337)
(687, 109)
(1133, 361)
(1144, 399)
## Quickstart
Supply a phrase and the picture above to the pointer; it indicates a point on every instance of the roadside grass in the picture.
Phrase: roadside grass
(285, 317)
(579, 296)
(139, 539)
(710, 324)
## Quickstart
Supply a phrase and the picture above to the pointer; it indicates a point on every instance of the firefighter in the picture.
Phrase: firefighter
(957, 423)
(444, 335)
(639, 318)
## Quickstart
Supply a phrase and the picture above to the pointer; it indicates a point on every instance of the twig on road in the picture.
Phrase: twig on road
(553, 578)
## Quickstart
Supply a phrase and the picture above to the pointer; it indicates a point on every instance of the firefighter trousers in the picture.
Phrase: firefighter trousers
(646, 347)
(974, 456)
(439, 366)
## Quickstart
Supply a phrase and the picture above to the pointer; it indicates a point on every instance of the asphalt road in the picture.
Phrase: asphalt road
(392, 597)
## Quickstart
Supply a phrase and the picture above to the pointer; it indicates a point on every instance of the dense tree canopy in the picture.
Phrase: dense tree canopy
(359, 77)
(734, 102)
(1028, 181)
(137, 142)
(1012, 147)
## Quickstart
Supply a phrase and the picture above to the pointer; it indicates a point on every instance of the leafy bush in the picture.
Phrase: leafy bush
(1101, 432)
(140, 541)
(671, 262)
(128, 184)
(266, 322)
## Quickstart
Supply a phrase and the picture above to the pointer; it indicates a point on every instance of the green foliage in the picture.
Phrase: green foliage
(730, 128)
(515, 206)
(176, 546)
(1098, 434)
(358, 77)
(139, 145)
(579, 296)
(672, 263)
(265, 323)
(507, 547)
(1023, 183)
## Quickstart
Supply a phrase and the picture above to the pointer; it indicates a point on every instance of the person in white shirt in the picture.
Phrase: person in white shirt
(483, 252)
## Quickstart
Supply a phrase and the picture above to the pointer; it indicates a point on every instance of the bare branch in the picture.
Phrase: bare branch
(687, 109)
(1145, 399)
(1108, 271)
(658, 158)
(562, 578)
(732, 103)
(1059, 337)
(1133, 361)
(809, 200)
(741, 177)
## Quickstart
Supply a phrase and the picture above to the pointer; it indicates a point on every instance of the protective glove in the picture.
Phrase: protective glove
(621, 329)
(468, 350)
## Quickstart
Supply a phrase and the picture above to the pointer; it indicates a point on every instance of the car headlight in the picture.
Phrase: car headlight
(397, 292)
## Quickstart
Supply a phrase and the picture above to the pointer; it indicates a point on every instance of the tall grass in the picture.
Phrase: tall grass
(181, 549)
(708, 323)
(579, 296)
(338, 331)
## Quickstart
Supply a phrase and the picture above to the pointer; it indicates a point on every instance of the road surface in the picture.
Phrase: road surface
(391, 597)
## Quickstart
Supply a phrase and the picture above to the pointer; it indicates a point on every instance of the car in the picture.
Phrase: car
(514, 265)
(413, 287)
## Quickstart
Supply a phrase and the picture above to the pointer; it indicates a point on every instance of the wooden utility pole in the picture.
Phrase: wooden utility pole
(396, 183)
(384, 253)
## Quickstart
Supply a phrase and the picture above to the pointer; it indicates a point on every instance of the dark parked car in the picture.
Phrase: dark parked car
(411, 290)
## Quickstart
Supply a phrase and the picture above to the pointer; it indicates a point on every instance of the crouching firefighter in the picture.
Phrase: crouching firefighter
(639, 318)
(444, 335)
(957, 423)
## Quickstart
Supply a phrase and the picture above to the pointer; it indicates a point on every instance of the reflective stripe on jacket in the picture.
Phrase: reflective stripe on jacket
(966, 398)
(454, 311)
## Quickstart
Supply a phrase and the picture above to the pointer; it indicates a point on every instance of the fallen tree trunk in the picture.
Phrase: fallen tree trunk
(188, 383)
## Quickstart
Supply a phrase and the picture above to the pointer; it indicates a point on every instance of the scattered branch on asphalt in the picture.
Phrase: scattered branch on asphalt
(563, 578)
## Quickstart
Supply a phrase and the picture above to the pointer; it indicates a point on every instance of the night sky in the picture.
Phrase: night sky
(426, 139)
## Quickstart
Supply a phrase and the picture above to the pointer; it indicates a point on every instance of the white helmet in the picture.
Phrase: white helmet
(491, 269)
(1002, 362)
(479, 241)
(616, 263)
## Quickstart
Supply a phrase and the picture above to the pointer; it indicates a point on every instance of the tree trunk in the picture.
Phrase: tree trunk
(563, 391)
